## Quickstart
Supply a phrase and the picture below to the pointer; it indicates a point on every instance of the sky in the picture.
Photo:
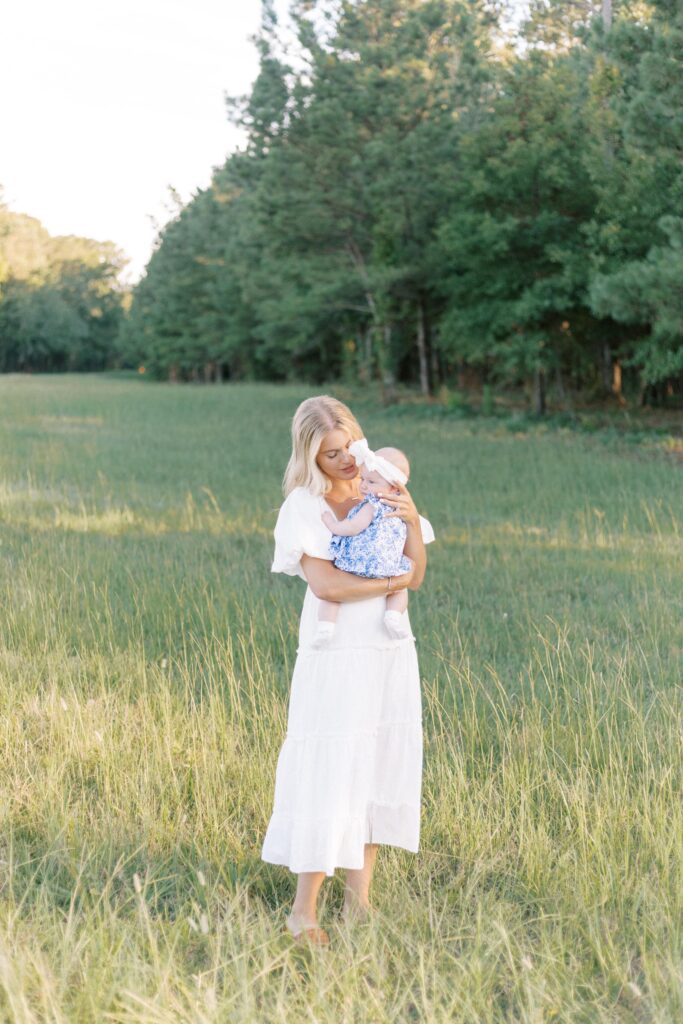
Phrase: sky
(107, 104)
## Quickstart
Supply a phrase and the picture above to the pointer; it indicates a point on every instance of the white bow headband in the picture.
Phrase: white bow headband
(364, 457)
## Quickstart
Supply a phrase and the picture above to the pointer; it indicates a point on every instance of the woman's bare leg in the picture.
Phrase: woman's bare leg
(304, 913)
(357, 885)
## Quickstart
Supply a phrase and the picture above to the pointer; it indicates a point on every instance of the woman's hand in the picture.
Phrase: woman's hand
(403, 505)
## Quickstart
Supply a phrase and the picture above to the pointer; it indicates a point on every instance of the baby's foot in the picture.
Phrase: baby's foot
(323, 634)
(395, 624)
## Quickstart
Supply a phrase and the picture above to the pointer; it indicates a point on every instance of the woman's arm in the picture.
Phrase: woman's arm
(415, 550)
(404, 507)
(331, 584)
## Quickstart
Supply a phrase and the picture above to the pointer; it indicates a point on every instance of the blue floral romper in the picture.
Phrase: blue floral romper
(376, 551)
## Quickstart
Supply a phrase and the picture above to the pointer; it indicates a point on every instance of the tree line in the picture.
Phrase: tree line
(61, 301)
(427, 194)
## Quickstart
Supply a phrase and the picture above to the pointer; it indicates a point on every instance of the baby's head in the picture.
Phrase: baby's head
(372, 481)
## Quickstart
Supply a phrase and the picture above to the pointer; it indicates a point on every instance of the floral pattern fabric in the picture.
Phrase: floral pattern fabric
(376, 551)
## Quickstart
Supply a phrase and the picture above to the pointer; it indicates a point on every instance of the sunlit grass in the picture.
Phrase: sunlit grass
(145, 657)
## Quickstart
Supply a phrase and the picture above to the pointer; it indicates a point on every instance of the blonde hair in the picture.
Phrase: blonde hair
(314, 418)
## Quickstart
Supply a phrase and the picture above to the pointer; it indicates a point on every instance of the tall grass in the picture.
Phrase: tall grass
(145, 657)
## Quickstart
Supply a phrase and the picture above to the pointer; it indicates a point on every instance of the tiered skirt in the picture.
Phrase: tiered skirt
(350, 769)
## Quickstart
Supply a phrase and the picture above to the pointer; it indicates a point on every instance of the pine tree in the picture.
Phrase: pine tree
(512, 245)
(640, 232)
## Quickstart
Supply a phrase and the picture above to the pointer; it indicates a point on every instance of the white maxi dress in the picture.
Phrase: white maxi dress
(350, 769)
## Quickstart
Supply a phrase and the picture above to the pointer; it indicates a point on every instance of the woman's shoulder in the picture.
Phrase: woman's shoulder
(300, 509)
(427, 530)
(299, 530)
(301, 498)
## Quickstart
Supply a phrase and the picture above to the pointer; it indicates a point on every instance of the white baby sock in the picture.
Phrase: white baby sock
(395, 624)
(323, 634)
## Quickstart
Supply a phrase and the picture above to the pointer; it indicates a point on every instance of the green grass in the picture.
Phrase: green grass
(145, 656)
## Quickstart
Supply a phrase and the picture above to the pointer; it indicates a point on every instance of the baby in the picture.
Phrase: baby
(367, 542)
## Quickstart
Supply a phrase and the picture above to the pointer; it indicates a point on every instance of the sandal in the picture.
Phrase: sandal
(315, 936)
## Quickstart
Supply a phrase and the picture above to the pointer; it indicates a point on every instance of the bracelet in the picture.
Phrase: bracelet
(389, 579)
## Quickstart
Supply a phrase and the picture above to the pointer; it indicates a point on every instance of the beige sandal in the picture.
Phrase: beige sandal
(315, 936)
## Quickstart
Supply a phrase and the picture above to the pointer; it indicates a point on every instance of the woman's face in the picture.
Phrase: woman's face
(333, 456)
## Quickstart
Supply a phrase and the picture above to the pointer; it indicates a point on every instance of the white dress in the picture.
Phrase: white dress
(350, 769)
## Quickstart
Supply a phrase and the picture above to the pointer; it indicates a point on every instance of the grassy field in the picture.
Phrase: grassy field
(145, 656)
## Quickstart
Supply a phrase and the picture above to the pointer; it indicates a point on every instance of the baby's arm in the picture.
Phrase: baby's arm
(349, 527)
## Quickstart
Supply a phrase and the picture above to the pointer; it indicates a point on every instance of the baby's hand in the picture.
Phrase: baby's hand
(329, 521)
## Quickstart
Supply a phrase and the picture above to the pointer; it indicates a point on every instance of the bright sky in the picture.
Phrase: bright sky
(106, 105)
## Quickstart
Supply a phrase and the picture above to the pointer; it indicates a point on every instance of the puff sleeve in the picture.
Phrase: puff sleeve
(298, 531)
(427, 530)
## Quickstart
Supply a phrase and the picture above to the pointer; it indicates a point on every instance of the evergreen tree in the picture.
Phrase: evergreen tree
(417, 195)
(640, 232)
(513, 245)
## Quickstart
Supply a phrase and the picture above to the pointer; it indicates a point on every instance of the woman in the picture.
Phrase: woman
(349, 773)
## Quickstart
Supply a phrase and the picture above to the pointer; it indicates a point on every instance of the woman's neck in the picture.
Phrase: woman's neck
(342, 490)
